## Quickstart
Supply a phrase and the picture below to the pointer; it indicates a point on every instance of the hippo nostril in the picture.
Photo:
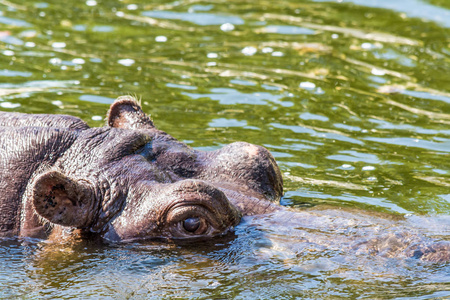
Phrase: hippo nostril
(191, 224)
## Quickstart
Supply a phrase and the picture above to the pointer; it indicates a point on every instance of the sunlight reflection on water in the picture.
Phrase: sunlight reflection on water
(351, 97)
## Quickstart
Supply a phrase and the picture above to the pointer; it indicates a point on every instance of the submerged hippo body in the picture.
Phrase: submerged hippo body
(129, 180)
(124, 181)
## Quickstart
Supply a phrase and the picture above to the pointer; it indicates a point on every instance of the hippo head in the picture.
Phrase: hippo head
(129, 180)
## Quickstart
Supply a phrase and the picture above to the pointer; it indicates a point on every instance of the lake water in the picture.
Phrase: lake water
(351, 97)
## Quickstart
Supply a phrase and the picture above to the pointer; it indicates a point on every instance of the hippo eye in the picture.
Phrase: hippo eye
(186, 221)
(146, 151)
(191, 224)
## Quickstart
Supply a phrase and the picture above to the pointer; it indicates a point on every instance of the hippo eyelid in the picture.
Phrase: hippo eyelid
(178, 213)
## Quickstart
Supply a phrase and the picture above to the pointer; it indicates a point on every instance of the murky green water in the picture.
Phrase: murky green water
(352, 97)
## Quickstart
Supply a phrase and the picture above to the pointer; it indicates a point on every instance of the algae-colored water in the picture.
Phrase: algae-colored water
(351, 97)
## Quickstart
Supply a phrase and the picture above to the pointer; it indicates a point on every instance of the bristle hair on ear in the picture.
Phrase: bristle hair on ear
(126, 112)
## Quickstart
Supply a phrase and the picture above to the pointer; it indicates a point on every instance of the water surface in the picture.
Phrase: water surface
(351, 97)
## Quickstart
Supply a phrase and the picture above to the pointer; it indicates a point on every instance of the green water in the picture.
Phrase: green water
(352, 100)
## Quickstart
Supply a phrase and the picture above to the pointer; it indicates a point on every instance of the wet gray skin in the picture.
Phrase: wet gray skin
(129, 180)
(125, 181)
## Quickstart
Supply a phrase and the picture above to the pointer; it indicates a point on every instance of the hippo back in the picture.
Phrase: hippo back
(43, 120)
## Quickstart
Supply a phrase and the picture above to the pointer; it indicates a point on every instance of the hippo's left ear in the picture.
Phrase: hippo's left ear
(126, 112)
(63, 200)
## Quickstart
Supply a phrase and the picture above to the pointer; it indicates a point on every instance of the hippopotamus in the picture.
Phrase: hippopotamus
(130, 181)
(126, 180)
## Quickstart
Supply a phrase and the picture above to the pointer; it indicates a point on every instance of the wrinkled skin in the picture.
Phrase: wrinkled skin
(125, 181)
(129, 180)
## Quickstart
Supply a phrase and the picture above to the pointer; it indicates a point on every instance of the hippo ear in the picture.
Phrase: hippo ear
(126, 112)
(62, 200)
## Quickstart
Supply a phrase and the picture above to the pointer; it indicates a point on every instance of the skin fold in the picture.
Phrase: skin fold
(127, 180)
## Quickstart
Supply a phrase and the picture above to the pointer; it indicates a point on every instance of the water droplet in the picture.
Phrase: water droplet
(126, 62)
(249, 50)
(368, 168)
(161, 39)
(390, 89)
(8, 53)
(334, 36)
(307, 85)
(277, 53)
(78, 61)
(9, 105)
(346, 166)
(212, 55)
(57, 103)
(211, 64)
(267, 50)
(132, 7)
(227, 27)
(55, 61)
(320, 91)
(91, 3)
(97, 118)
(378, 72)
(120, 14)
(59, 45)
(367, 46)
(30, 44)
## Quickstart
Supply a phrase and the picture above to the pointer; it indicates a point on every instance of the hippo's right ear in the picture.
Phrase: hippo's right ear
(126, 112)
(62, 200)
